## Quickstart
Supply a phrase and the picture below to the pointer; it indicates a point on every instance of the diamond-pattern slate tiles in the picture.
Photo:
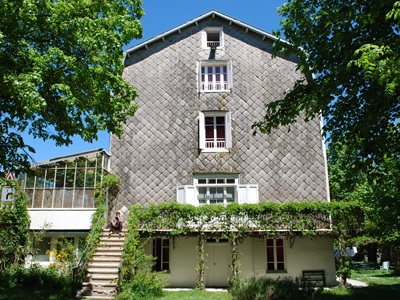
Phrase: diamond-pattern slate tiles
(159, 148)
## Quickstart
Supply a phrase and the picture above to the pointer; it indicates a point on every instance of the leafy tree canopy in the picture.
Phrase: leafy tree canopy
(349, 54)
(60, 71)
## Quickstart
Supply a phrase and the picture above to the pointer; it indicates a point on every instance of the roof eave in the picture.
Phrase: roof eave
(199, 18)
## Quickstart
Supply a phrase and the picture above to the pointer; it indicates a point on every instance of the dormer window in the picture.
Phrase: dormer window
(212, 38)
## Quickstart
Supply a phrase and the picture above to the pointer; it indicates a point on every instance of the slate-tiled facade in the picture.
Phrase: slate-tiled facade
(159, 149)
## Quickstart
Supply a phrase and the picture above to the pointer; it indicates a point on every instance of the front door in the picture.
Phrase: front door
(218, 260)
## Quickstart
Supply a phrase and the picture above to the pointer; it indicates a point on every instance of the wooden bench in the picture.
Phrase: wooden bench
(314, 276)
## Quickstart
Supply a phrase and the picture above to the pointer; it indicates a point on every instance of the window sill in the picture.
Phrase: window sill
(214, 150)
(214, 91)
(276, 272)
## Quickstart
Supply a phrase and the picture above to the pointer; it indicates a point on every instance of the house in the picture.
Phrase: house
(202, 85)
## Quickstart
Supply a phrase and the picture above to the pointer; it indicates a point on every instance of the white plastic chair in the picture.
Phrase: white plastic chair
(385, 265)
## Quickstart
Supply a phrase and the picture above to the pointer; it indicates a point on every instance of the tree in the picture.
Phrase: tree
(60, 71)
(377, 188)
(348, 52)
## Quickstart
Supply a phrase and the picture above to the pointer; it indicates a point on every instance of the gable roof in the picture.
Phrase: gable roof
(212, 13)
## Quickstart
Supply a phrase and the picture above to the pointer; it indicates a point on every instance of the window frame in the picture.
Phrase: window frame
(278, 250)
(203, 78)
(205, 44)
(161, 264)
(198, 182)
(227, 131)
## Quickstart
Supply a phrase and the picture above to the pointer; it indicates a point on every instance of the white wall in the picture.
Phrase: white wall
(61, 219)
(306, 254)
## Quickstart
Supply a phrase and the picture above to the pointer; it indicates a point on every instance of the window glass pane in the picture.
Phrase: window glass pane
(270, 266)
(279, 254)
(212, 181)
(220, 132)
(230, 194)
(230, 180)
(220, 181)
(209, 120)
(202, 181)
(270, 242)
(209, 132)
(281, 266)
(279, 242)
(220, 120)
(202, 195)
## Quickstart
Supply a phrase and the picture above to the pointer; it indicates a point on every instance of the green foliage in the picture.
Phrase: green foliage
(263, 288)
(36, 276)
(60, 71)
(295, 218)
(348, 52)
(138, 279)
(14, 227)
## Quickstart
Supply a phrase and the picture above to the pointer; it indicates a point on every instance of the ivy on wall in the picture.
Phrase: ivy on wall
(238, 221)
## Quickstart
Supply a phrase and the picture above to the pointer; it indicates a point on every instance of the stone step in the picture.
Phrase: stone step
(103, 264)
(107, 258)
(100, 270)
(108, 277)
(99, 284)
(98, 297)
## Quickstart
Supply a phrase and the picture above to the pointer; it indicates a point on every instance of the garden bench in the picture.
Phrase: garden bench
(314, 276)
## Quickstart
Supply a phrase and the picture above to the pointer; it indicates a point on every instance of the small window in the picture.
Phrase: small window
(213, 38)
(161, 254)
(215, 76)
(275, 255)
(215, 131)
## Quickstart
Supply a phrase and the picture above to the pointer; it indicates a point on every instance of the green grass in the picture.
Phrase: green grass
(195, 295)
(382, 286)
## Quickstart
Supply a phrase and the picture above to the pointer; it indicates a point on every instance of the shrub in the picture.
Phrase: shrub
(36, 276)
(282, 288)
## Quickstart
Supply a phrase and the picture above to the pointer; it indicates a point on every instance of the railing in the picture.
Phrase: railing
(219, 143)
(79, 271)
(214, 86)
(213, 44)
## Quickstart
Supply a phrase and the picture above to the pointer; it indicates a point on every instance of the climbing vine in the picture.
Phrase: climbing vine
(238, 221)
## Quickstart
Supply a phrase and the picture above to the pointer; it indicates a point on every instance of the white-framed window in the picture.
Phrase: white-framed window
(212, 38)
(216, 188)
(275, 255)
(215, 131)
(215, 76)
(161, 254)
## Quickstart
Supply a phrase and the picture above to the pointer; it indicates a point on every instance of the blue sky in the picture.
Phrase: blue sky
(160, 16)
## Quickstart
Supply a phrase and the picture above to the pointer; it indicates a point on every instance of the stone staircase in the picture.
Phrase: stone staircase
(101, 279)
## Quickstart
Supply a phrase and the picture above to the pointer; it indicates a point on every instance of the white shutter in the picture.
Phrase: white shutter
(180, 194)
(204, 38)
(228, 131)
(186, 194)
(198, 70)
(248, 193)
(190, 195)
(202, 131)
(229, 70)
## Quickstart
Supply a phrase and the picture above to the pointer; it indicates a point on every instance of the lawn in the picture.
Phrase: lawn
(382, 285)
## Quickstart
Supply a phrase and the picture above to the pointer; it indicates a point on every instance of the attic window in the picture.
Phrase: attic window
(213, 38)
